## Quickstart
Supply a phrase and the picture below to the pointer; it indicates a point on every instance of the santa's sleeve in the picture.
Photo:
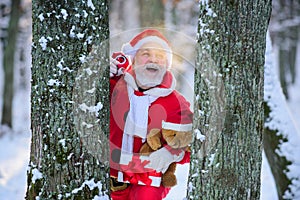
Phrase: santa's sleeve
(181, 119)
(180, 116)
(112, 83)
(186, 158)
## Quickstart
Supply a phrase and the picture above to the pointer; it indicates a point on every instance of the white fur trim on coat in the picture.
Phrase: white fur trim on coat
(176, 127)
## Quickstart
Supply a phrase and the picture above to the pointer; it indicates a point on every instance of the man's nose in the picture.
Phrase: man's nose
(153, 58)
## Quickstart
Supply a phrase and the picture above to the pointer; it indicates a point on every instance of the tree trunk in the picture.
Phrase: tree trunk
(284, 29)
(278, 163)
(228, 105)
(8, 63)
(69, 100)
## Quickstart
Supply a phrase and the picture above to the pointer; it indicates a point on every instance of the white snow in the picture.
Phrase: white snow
(72, 34)
(199, 135)
(43, 42)
(41, 17)
(91, 109)
(64, 13)
(14, 159)
(36, 174)
(91, 5)
(90, 183)
(52, 82)
(82, 58)
(80, 35)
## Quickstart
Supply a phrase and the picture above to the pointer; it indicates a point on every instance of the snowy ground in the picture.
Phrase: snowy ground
(14, 160)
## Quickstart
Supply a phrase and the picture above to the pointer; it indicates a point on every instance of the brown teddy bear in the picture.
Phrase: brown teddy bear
(175, 139)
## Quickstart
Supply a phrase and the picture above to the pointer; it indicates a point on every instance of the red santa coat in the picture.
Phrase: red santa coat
(167, 106)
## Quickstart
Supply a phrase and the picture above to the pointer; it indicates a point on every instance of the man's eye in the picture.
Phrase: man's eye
(145, 54)
(160, 56)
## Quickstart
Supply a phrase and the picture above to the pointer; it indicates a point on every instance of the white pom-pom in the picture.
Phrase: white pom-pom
(127, 49)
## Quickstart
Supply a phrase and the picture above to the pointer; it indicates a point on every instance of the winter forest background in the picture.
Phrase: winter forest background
(282, 83)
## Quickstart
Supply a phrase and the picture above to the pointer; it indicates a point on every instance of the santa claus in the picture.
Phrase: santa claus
(143, 97)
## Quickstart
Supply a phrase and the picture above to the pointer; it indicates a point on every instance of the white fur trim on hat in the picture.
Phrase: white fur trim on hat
(176, 127)
(131, 48)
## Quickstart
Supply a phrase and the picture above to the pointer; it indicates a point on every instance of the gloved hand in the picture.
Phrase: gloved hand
(119, 63)
(162, 158)
(114, 69)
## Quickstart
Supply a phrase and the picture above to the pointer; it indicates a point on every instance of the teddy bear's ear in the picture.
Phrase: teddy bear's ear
(154, 132)
(153, 139)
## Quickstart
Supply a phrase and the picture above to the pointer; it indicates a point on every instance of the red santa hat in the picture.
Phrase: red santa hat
(148, 35)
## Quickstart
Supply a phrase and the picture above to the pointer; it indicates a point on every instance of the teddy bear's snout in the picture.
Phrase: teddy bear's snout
(175, 144)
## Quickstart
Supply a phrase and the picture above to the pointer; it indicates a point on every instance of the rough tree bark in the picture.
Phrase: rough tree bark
(228, 111)
(69, 99)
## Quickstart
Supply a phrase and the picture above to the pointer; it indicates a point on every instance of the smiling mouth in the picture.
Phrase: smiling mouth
(152, 68)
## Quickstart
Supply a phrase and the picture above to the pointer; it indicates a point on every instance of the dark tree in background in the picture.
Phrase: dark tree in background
(229, 96)
(152, 13)
(285, 34)
(277, 161)
(8, 63)
(69, 99)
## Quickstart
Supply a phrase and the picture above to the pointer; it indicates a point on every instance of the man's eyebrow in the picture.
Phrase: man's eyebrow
(149, 49)
(144, 49)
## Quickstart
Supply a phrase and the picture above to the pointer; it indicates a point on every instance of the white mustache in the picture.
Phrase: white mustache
(154, 79)
(152, 66)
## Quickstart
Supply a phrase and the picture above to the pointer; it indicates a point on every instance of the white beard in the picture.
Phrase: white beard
(150, 79)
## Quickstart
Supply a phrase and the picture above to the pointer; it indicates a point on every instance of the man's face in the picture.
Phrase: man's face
(150, 65)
